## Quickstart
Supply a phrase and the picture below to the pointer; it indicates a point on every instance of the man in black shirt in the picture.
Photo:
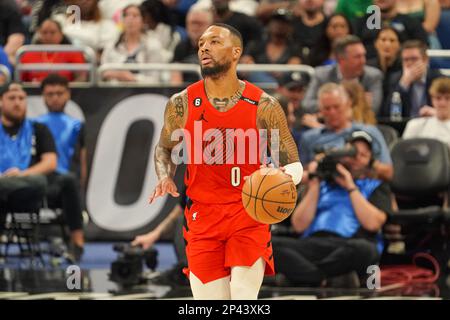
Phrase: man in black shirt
(249, 27)
(407, 27)
(309, 26)
(27, 150)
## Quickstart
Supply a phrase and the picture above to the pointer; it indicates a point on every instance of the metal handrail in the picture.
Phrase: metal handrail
(276, 68)
(5, 71)
(87, 51)
(195, 68)
(439, 53)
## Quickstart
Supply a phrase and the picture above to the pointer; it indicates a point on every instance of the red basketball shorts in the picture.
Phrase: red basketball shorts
(221, 236)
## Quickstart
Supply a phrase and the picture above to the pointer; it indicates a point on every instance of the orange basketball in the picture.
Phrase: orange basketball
(269, 195)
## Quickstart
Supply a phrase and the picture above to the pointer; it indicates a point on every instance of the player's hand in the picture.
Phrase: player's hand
(164, 186)
(269, 165)
(146, 240)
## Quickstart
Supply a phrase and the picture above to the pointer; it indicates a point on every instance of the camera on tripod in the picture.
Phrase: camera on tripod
(326, 169)
(128, 269)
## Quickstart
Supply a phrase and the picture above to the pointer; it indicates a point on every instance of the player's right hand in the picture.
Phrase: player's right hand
(164, 186)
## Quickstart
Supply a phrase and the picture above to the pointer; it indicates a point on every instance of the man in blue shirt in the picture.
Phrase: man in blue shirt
(336, 110)
(64, 190)
(27, 151)
(339, 218)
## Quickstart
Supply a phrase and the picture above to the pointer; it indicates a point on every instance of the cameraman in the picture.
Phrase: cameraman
(339, 221)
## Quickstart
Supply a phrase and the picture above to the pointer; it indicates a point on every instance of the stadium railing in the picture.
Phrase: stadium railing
(89, 66)
(192, 68)
(441, 54)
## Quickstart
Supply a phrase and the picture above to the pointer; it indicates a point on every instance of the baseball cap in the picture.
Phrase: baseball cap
(291, 80)
(361, 136)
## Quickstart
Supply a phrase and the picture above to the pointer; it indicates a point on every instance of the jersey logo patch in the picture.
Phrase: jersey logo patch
(202, 117)
(253, 102)
(197, 102)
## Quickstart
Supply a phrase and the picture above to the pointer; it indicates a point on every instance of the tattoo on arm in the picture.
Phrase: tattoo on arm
(174, 118)
(270, 115)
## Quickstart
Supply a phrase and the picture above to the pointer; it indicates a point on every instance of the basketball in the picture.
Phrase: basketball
(269, 195)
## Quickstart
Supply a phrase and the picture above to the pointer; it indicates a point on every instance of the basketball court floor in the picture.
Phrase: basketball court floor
(21, 281)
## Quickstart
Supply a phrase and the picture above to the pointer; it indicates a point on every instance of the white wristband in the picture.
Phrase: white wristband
(295, 170)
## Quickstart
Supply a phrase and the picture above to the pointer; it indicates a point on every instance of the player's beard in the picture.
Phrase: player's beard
(217, 70)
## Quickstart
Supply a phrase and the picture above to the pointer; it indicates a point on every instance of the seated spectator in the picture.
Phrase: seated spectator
(248, 26)
(413, 82)
(276, 48)
(93, 30)
(112, 9)
(351, 65)
(335, 108)
(428, 12)
(50, 33)
(197, 21)
(339, 219)
(292, 86)
(134, 46)
(4, 61)
(336, 26)
(159, 26)
(361, 110)
(437, 126)
(387, 57)
(68, 133)
(407, 27)
(353, 9)
(27, 149)
(309, 25)
(12, 31)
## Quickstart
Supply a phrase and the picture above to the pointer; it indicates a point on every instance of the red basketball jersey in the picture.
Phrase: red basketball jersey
(223, 147)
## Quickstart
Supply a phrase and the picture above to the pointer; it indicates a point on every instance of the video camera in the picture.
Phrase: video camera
(326, 169)
(127, 270)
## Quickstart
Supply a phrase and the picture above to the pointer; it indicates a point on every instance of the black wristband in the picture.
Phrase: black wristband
(352, 189)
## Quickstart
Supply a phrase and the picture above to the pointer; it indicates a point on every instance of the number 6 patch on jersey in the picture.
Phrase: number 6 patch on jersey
(197, 102)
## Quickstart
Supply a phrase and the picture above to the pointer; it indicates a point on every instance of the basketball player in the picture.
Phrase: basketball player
(228, 252)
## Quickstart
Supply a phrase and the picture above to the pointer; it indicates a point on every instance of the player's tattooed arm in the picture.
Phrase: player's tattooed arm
(271, 116)
(174, 118)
